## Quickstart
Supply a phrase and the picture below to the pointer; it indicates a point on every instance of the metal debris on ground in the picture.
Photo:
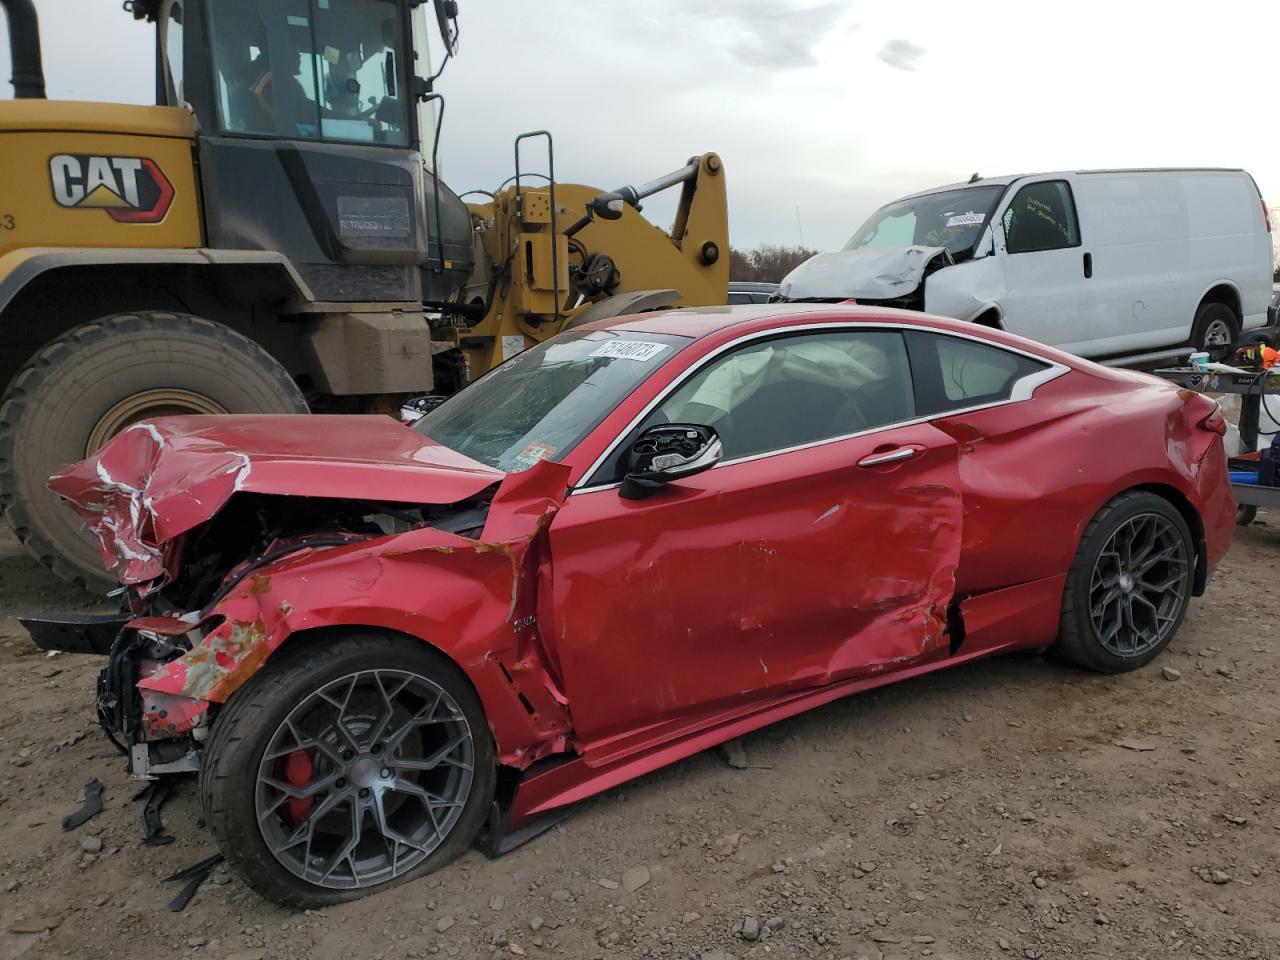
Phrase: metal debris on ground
(157, 793)
(91, 808)
(1141, 746)
(195, 875)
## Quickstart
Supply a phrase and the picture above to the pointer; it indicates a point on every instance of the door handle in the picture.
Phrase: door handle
(889, 456)
(1088, 265)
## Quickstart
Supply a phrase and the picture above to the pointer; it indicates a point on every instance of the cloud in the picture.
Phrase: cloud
(761, 33)
(900, 53)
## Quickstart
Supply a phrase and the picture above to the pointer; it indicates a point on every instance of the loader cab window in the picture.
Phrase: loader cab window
(311, 69)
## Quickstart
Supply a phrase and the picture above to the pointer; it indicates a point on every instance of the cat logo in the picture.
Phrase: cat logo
(129, 189)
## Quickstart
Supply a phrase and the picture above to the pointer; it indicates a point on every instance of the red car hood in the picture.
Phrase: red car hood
(157, 480)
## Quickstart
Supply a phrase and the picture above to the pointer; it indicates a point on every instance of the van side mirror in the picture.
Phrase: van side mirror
(666, 452)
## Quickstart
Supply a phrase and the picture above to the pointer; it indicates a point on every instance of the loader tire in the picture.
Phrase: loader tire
(95, 380)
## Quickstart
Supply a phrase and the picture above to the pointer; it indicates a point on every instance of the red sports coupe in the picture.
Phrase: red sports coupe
(378, 643)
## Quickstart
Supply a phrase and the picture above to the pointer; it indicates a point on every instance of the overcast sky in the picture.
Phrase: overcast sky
(821, 109)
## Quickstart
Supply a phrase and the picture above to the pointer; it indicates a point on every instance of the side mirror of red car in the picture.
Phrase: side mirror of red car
(666, 452)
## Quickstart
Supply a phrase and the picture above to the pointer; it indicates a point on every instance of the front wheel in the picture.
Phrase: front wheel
(347, 766)
(1127, 590)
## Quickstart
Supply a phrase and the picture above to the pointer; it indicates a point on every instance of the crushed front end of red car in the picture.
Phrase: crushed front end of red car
(234, 535)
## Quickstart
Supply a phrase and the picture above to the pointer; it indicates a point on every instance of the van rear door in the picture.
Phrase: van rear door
(1138, 234)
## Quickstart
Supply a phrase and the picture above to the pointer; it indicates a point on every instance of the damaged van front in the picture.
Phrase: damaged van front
(891, 259)
(1121, 266)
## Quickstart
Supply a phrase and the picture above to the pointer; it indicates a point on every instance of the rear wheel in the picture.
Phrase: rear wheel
(1215, 330)
(348, 766)
(94, 381)
(1128, 589)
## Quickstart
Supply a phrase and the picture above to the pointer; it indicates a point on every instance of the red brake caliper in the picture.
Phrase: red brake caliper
(299, 770)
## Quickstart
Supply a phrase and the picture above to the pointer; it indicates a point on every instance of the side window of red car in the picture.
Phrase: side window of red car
(954, 373)
(792, 390)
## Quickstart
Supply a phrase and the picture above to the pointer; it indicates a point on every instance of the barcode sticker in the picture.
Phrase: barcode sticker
(966, 219)
(641, 350)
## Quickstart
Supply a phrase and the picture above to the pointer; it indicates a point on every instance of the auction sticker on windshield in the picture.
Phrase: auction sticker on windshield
(642, 350)
(533, 453)
(965, 219)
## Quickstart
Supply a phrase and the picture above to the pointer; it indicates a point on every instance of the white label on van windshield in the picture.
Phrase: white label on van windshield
(966, 219)
(641, 350)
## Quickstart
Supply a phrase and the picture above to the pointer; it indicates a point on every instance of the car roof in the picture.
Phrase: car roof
(747, 318)
(698, 323)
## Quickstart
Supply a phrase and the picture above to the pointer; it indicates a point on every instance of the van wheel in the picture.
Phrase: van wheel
(1128, 588)
(100, 378)
(1215, 330)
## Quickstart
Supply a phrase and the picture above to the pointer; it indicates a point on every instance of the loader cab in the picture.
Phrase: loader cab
(310, 143)
(332, 70)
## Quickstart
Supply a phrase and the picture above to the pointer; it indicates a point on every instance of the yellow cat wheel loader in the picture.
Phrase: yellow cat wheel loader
(272, 237)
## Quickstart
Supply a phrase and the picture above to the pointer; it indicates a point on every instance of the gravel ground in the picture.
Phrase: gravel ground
(1012, 808)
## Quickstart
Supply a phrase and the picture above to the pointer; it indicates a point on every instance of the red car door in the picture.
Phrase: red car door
(788, 565)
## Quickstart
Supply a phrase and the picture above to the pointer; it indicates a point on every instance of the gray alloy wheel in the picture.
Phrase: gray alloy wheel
(349, 763)
(1130, 584)
(1140, 585)
(364, 779)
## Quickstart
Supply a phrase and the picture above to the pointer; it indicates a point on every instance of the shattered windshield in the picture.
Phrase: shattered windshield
(951, 219)
(542, 402)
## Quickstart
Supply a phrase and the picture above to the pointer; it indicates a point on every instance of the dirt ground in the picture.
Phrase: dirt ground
(996, 810)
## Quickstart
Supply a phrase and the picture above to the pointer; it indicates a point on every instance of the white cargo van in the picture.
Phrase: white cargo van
(1106, 264)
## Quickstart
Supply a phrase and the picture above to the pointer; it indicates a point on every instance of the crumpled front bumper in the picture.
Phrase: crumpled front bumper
(160, 733)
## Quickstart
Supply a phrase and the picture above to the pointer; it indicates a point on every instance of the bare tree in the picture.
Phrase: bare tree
(766, 264)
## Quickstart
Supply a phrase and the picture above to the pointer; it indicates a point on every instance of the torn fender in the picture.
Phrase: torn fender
(155, 481)
(475, 600)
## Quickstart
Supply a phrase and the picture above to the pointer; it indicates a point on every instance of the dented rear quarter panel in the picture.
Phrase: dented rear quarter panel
(1034, 474)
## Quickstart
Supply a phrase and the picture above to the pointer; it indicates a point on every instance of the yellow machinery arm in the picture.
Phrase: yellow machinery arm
(597, 256)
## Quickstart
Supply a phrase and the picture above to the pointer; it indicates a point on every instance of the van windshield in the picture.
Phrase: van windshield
(951, 219)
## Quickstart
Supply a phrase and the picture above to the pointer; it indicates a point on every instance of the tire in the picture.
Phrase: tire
(100, 374)
(1246, 513)
(231, 778)
(1088, 616)
(1215, 330)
